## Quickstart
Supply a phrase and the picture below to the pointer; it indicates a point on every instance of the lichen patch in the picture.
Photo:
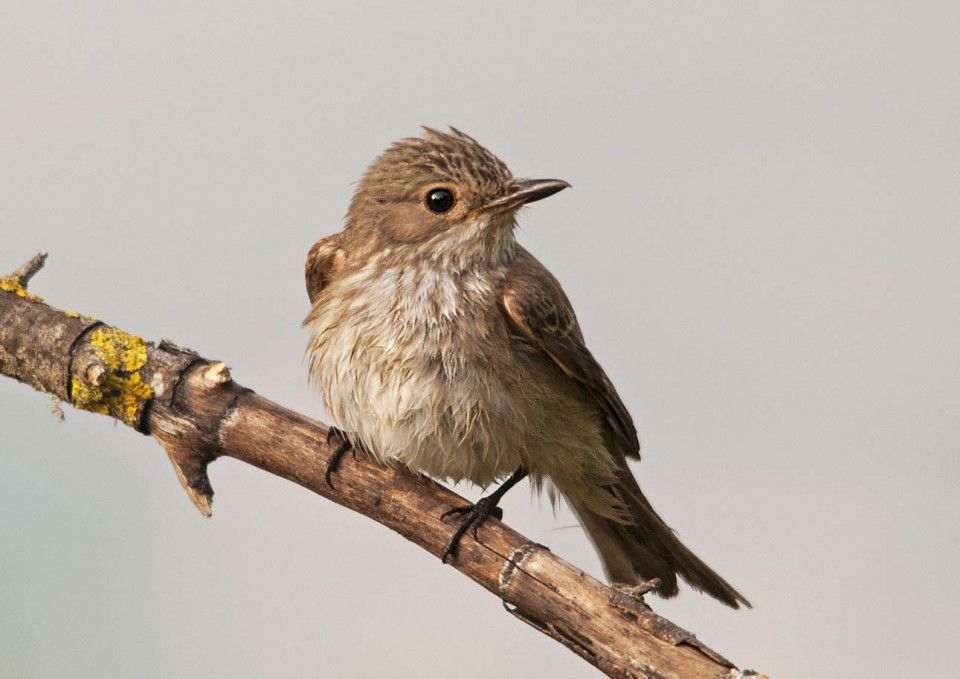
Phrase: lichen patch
(124, 393)
(13, 284)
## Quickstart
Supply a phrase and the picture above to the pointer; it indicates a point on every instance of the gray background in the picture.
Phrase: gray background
(762, 246)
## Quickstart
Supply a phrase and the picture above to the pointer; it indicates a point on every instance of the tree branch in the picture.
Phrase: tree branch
(196, 411)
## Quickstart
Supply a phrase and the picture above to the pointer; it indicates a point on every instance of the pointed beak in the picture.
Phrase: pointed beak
(525, 191)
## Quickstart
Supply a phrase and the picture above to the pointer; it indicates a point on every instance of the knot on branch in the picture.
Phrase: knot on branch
(106, 379)
(190, 434)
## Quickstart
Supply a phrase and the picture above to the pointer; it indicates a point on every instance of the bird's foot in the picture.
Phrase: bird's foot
(476, 514)
(637, 591)
(473, 517)
(343, 447)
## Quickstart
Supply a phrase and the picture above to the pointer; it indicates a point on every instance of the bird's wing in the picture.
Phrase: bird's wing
(538, 310)
(324, 258)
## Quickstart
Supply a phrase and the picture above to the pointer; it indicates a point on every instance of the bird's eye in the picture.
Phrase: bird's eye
(440, 200)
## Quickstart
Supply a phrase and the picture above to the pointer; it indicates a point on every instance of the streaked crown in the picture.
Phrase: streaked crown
(440, 157)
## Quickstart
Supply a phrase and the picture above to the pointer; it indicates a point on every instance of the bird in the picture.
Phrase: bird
(440, 343)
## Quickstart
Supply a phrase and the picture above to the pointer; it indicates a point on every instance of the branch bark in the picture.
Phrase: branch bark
(197, 412)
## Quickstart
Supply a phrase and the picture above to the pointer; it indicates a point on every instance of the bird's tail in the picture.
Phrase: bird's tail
(642, 547)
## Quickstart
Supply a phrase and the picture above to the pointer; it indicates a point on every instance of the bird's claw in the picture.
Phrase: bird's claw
(475, 516)
(637, 591)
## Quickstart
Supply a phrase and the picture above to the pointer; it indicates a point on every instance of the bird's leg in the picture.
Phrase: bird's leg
(477, 513)
(343, 447)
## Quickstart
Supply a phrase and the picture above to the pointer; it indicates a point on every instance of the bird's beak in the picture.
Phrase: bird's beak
(525, 191)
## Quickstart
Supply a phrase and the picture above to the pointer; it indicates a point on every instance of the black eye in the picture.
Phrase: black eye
(440, 201)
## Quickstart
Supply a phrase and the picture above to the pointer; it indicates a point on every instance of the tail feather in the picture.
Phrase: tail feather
(645, 547)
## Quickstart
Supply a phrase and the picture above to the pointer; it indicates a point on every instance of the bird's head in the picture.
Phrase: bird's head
(442, 195)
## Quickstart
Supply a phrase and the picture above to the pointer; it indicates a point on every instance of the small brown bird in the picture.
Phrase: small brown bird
(439, 342)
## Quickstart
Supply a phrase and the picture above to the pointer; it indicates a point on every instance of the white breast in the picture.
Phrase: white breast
(406, 365)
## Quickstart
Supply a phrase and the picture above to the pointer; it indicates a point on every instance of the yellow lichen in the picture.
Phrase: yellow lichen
(13, 284)
(123, 394)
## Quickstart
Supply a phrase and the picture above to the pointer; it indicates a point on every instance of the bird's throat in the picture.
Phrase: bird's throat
(482, 242)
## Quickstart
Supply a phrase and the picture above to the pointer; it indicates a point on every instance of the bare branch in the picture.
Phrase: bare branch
(26, 272)
(192, 406)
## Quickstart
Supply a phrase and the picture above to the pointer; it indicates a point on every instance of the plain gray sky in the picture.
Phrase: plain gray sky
(761, 243)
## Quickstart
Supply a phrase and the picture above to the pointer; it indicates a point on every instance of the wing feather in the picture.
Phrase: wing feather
(538, 310)
(322, 261)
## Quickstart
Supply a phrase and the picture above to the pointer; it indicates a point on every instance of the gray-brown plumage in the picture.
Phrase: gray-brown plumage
(439, 342)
